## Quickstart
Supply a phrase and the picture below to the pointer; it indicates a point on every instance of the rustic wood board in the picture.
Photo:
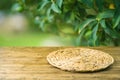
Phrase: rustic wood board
(29, 63)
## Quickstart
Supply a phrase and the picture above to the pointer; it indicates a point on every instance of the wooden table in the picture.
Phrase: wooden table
(30, 64)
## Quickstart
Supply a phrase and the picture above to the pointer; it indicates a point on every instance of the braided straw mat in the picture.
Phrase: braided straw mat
(80, 59)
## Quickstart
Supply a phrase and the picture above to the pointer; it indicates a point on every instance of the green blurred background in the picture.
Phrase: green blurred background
(19, 29)
(59, 22)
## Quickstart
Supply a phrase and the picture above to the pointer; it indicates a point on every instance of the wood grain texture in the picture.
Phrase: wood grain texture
(29, 63)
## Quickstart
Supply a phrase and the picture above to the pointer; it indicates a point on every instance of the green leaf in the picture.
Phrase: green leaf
(93, 39)
(82, 29)
(116, 22)
(59, 3)
(41, 25)
(89, 3)
(94, 34)
(99, 4)
(111, 32)
(80, 37)
(105, 14)
(17, 7)
(50, 18)
(43, 4)
(116, 19)
(102, 22)
(91, 11)
(93, 23)
(48, 12)
(55, 8)
(84, 24)
(88, 34)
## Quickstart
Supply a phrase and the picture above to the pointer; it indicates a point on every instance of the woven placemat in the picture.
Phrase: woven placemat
(80, 59)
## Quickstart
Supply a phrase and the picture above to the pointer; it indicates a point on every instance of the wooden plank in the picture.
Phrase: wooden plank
(29, 63)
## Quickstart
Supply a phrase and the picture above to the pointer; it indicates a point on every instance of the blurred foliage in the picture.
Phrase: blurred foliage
(3, 5)
(90, 22)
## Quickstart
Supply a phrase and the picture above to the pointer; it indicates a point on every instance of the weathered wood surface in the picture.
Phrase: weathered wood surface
(30, 64)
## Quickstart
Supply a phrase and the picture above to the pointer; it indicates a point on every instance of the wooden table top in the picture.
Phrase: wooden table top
(30, 64)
